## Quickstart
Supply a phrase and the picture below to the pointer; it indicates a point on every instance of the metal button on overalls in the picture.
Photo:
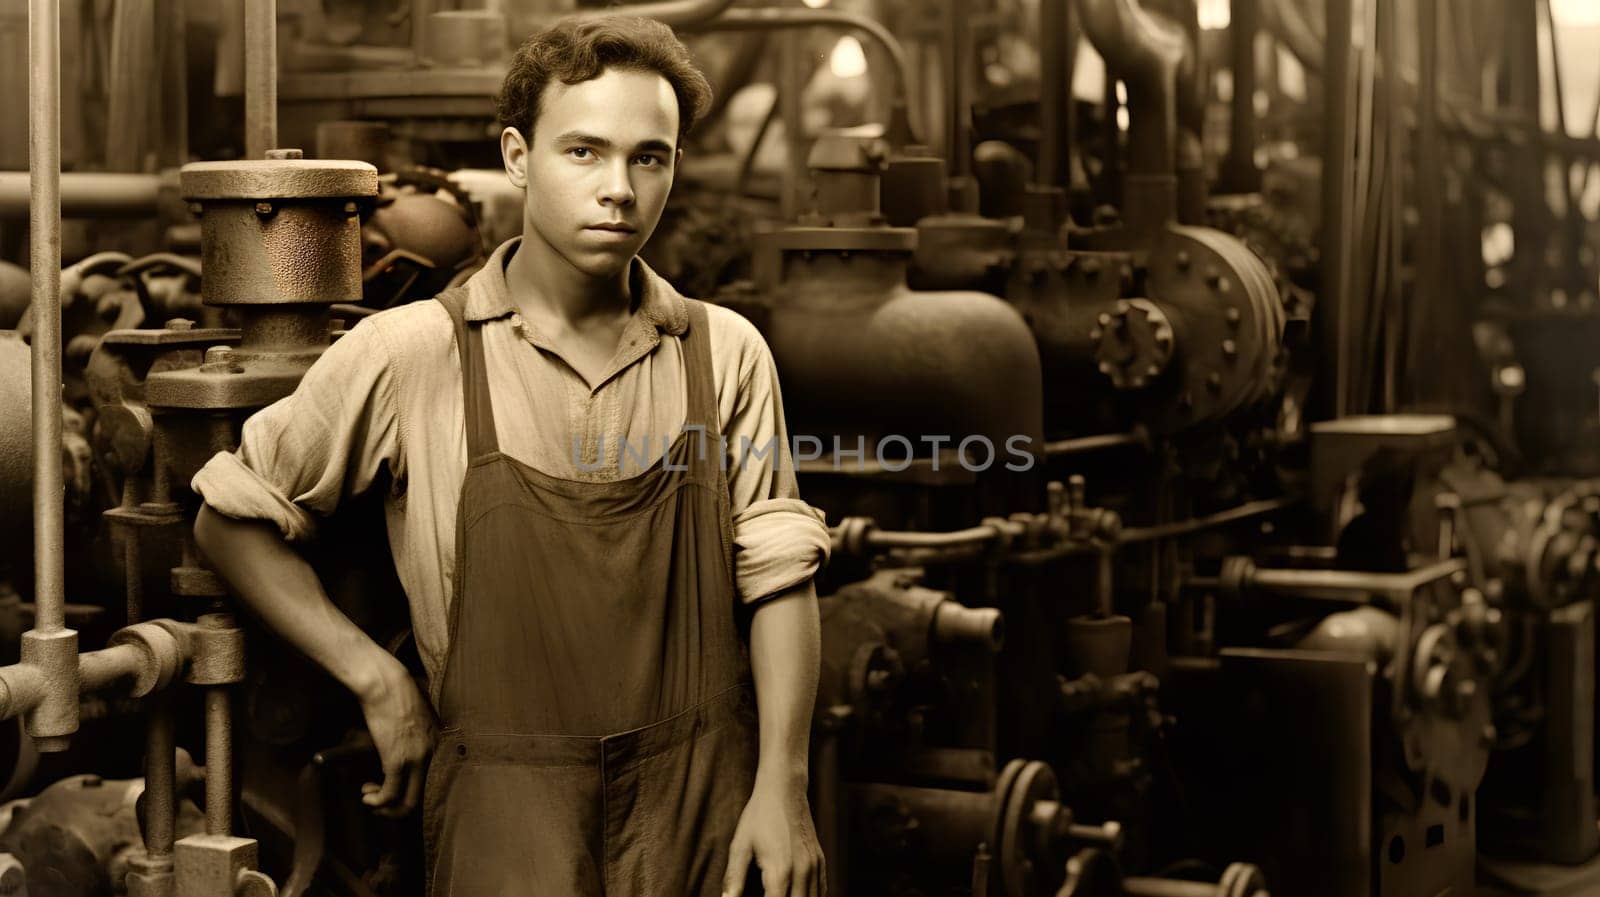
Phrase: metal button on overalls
(598, 723)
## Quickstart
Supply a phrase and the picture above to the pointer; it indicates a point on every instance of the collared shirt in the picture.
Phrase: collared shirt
(387, 395)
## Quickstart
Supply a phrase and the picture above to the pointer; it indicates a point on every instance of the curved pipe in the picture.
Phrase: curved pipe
(677, 13)
(773, 18)
(1144, 53)
(1290, 26)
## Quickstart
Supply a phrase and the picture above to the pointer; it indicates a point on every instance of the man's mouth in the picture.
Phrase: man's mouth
(615, 227)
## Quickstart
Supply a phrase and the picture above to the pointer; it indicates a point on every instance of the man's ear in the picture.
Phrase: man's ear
(514, 153)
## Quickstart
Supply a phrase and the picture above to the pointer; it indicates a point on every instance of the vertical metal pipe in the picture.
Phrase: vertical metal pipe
(790, 82)
(261, 77)
(133, 570)
(1333, 310)
(955, 52)
(420, 11)
(219, 761)
(160, 779)
(1239, 168)
(44, 259)
(1057, 53)
(829, 805)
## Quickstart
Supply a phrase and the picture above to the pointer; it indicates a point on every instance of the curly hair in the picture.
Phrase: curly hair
(579, 50)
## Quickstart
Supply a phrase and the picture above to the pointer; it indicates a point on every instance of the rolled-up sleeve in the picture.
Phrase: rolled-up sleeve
(779, 541)
(329, 439)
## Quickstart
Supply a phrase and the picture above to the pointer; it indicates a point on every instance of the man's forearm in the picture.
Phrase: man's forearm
(785, 651)
(282, 590)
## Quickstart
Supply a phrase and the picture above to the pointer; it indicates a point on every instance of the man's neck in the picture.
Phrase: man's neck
(545, 286)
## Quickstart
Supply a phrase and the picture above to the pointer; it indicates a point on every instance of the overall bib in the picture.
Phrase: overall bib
(598, 721)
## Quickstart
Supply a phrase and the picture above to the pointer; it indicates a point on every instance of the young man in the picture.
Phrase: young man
(572, 536)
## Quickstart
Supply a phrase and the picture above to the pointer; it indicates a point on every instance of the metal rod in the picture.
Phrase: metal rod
(160, 777)
(219, 761)
(1094, 443)
(1333, 310)
(83, 194)
(829, 801)
(1196, 524)
(261, 77)
(44, 255)
(1438, 383)
(133, 568)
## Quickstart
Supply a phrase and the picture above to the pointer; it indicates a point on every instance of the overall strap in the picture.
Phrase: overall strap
(701, 398)
(476, 408)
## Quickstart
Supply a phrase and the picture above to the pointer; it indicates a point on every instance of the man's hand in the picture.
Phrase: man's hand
(402, 727)
(776, 831)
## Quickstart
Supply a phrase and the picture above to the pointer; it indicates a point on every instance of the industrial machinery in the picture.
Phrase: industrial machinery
(1197, 530)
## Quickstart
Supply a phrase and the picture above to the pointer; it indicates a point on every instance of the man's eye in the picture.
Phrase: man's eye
(579, 152)
(649, 161)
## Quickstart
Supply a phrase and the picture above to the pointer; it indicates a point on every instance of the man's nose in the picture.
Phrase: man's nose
(618, 187)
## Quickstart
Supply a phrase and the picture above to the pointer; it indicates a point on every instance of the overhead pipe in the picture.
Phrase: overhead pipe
(1144, 53)
(1289, 25)
(902, 127)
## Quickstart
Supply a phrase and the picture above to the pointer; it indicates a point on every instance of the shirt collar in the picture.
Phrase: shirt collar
(660, 305)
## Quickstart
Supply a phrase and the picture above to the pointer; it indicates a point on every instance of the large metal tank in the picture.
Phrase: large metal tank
(866, 360)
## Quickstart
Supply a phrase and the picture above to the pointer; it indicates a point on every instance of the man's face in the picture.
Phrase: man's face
(599, 167)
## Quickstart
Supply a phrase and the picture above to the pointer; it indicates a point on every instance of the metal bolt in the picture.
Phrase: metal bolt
(1214, 381)
(1233, 316)
(1152, 370)
(1223, 285)
(1230, 348)
(263, 208)
(219, 354)
(1096, 333)
(1488, 735)
(1104, 319)
(1091, 267)
(180, 324)
(196, 208)
(351, 208)
(1182, 260)
(279, 155)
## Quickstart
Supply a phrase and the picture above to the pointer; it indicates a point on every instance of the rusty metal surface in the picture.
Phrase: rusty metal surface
(53, 653)
(212, 864)
(267, 179)
(294, 253)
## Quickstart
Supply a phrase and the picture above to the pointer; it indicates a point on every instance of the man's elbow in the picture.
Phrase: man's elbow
(220, 537)
(208, 531)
